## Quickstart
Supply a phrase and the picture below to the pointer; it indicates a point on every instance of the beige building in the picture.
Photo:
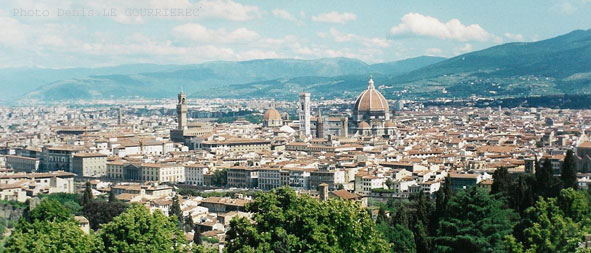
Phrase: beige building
(169, 172)
(243, 177)
(90, 164)
(172, 173)
(237, 145)
(194, 174)
(19, 186)
(14, 191)
(115, 169)
(151, 190)
(269, 178)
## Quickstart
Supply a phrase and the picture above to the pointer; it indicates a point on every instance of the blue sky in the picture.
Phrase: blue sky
(77, 33)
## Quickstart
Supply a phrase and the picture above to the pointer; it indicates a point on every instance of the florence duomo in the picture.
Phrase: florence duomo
(222, 126)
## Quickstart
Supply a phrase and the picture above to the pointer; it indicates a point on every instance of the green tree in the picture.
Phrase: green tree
(87, 196)
(136, 230)
(545, 229)
(49, 210)
(188, 223)
(286, 222)
(522, 196)
(546, 185)
(420, 221)
(69, 200)
(502, 182)
(400, 237)
(197, 235)
(50, 236)
(474, 221)
(51, 228)
(577, 206)
(442, 197)
(175, 210)
(220, 178)
(101, 212)
(112, 197)
(568, 174)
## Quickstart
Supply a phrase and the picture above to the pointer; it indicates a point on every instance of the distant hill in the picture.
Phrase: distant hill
(404, 66)
(217, 79)
(560, 65)
(558, 57)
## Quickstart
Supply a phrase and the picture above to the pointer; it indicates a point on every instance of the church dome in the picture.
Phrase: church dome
(371, 100)
(271, 114)
(363, 125)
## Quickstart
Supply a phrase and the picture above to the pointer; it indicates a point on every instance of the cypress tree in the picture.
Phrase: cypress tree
(569, 171)
(197, 236)
(87, 197)
(112, 198)
(189, 223)
(544, 179)
(442, 197)
(502, 182)
(175, 209)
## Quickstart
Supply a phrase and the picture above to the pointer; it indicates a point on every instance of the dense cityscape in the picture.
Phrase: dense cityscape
(206, 162)
(240, 126)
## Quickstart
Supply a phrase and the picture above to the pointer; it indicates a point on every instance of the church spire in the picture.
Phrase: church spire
(370, 83)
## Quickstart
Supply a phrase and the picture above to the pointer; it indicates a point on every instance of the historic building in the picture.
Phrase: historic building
(323, 126)
(304, 114)
(371, 113)
(188, 134)
(90, 164)
(272, 118)
(371, 117)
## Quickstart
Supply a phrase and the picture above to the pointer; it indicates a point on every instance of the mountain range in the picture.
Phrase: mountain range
(560, 65)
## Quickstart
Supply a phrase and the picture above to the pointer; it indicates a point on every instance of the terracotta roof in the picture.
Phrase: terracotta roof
(371, 100)
(363, 125)
(272, 114)
(90, 155)
(344, 194)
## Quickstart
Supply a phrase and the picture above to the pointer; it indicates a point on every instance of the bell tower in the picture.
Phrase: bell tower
(181, 110)
(304, 113)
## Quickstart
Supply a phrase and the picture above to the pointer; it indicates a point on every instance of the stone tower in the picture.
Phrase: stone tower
(319, 125)
(181, 110)
(304, 113)
(120, 118)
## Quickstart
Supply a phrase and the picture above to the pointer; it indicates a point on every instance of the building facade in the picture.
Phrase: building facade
(90, 164)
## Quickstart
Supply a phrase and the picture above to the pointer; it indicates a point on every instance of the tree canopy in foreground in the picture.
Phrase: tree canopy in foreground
(286, 222)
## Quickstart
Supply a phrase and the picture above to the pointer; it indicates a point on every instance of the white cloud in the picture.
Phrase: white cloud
(369, 55)
(566, 8)
(348, 37)
(197, 32)
(341, 37)
(12, 32)
(376, 42)
(415, 23)
(465, 49)
(433, 52)
(335, 17)
(257, 54)
(227, 9)
(283, 14)
(514, 37)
